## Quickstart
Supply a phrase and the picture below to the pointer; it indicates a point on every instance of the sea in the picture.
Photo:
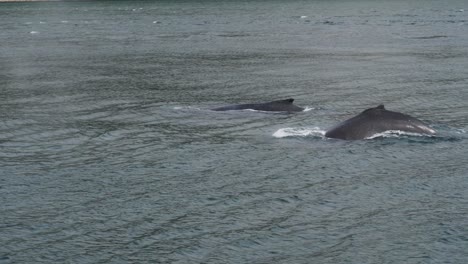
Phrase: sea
(109, 152)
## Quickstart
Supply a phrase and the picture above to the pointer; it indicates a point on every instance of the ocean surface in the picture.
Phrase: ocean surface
(109, 152)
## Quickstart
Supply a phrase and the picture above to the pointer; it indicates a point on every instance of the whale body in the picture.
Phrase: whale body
(377, 120)
(274, 106)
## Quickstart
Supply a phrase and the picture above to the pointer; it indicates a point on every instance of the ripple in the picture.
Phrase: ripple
(109, 154)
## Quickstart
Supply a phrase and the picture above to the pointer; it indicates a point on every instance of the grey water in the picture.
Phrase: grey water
(109, 152)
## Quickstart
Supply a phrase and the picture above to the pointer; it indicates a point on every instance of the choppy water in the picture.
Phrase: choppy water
(109, 153)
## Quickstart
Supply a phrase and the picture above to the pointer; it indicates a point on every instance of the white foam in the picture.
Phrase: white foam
(34, 32)
(395, 134)
(185, 107)
(307, 109)
(298, 132)
(303, 17)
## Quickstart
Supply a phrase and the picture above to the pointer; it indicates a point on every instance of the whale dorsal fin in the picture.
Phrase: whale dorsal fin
(285, 101)
(379, 107)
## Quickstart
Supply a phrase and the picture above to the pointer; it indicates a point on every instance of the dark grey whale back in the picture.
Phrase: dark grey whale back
(285, 105)
(377, 120)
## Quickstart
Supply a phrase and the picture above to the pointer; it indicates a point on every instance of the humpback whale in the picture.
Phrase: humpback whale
(275, 106)
(377, 120)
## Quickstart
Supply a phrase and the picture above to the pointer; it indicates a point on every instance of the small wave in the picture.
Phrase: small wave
(307, 109)
(298, 132)
(34, 32)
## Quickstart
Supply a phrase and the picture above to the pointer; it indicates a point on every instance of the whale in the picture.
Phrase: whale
(285, 105)
(377, 120)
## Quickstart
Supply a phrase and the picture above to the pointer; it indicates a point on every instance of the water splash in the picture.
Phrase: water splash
(308, 108)
(299, 132)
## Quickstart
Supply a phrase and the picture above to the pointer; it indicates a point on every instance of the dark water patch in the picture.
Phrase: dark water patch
(430, 37)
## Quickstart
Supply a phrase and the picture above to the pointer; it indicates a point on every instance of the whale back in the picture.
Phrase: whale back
(377, 120)
(285, 105)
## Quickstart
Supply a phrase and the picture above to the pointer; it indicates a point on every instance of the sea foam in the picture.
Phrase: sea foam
(299, 132)
(396, 134)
